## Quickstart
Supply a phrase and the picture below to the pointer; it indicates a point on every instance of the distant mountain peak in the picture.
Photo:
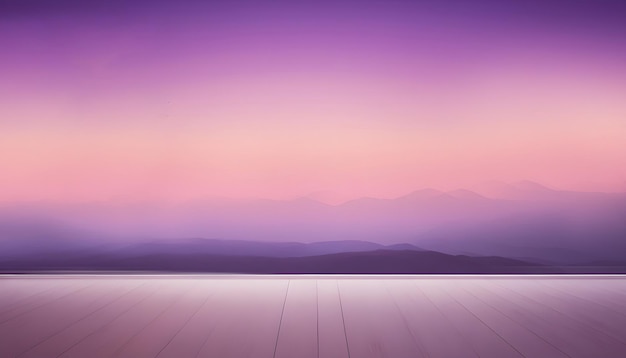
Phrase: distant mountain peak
(422, 193)
(327, 197)
(465, 194)
(523, 189)
(530, 185)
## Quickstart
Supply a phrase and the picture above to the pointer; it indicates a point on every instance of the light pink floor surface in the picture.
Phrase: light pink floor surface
(312, 316)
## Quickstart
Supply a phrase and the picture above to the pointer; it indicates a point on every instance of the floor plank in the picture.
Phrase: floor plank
(331, 330)
(572, 339)
(151, 340)
(485, 341)
(437, 336)
(91, 324)
(375, 327)
(601, 292)
(587, 340)
(16, 292)
(114, 335)
(47, 320)
(248, 321)
(59, 291)
(523, 339)
(297, 335)
(588, 312)
(190, 337)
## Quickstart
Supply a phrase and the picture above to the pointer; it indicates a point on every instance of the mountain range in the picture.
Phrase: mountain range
(523, 221)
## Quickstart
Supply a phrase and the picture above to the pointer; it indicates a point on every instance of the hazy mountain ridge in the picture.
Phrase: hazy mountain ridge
(261, 249)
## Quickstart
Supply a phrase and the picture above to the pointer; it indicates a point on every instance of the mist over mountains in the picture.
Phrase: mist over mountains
(523, 221)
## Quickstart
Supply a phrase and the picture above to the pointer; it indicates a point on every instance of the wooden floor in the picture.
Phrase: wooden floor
(311, 316)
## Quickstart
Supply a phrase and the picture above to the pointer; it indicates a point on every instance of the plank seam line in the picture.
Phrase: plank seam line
(484, 323)
(280, 323)
(317, 316)
(107, 324)
(516, 322)
(546, 320)
(186, 323)
(343, 320)
(567, 315)
(128, 341)
(450, 322)
(579, 298)
(416, 340)
(80, 320)
(46, 303)
(26, 300)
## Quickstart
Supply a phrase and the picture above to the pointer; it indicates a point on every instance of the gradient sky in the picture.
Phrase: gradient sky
(176, 100)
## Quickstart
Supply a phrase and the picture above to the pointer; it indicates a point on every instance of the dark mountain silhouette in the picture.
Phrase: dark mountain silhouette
(379, 261)
(223, 256)
(368, 262)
